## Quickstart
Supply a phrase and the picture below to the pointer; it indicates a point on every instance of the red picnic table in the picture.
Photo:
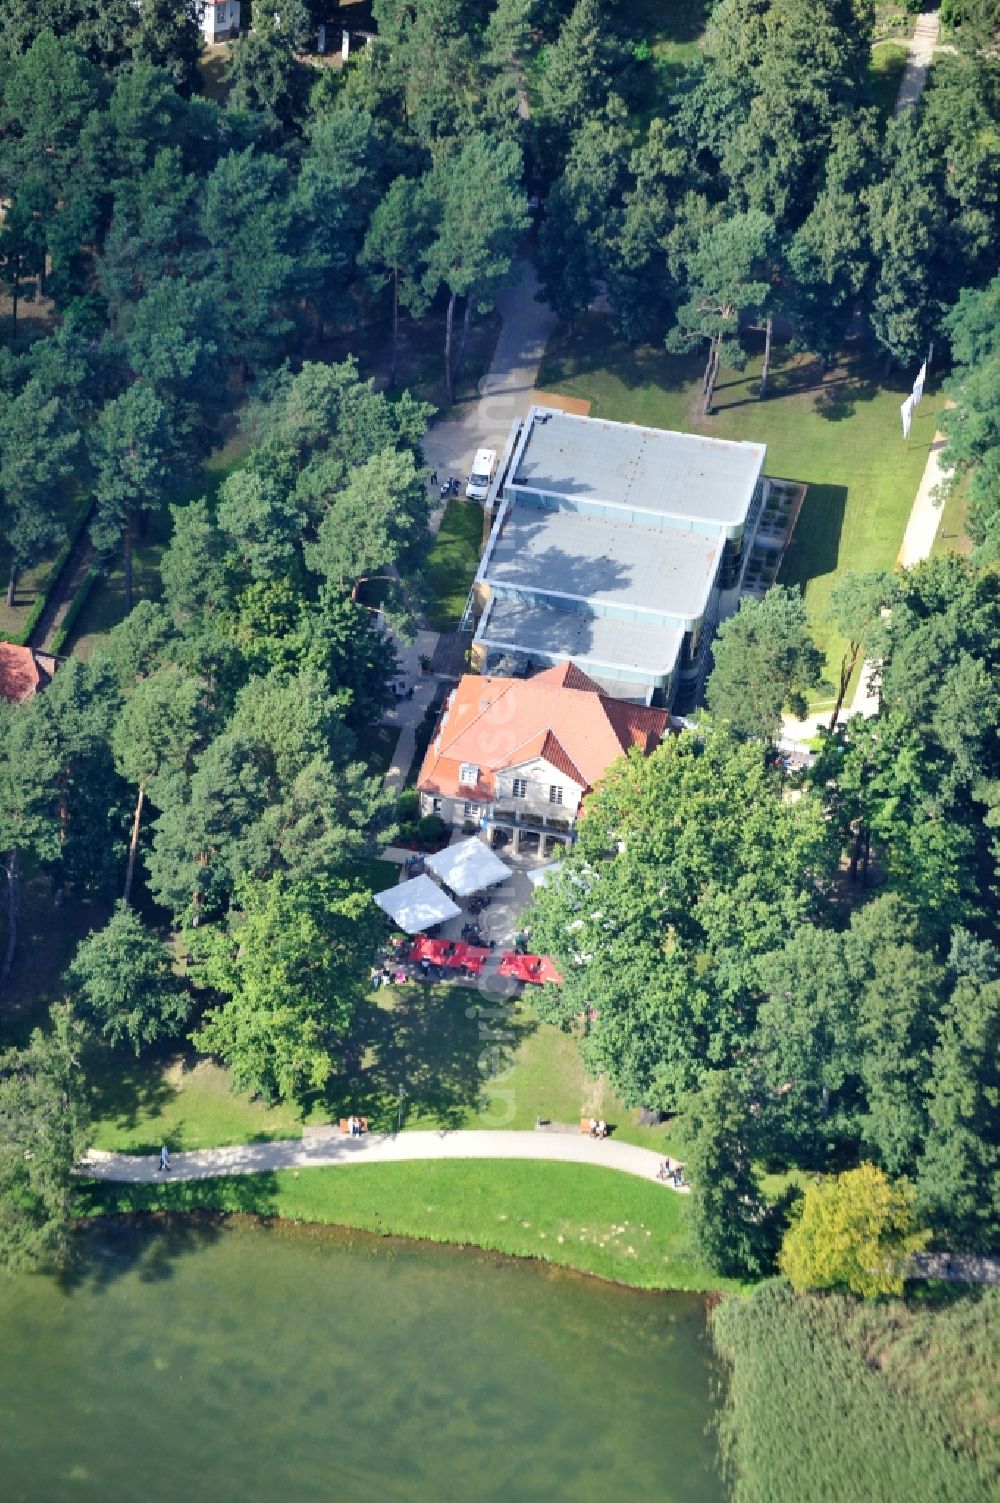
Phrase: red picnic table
(535, 969)
(452, 954)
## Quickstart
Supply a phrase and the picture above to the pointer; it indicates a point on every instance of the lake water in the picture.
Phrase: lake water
(253, 1363)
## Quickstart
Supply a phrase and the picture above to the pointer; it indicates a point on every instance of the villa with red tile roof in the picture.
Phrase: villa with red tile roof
(515, 757)
(20, 674)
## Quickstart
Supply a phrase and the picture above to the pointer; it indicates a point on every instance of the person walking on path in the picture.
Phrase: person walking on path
(164, 1163)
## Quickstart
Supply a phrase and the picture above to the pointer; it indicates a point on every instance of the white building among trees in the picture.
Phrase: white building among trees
(220, 20)
(619, 548)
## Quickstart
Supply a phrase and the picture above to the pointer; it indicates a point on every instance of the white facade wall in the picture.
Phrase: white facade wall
(220, 20)
(540, 777)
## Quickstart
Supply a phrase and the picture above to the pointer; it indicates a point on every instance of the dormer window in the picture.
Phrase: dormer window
(468, 774)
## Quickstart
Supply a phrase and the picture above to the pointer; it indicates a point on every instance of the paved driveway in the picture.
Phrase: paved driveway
(506, 389)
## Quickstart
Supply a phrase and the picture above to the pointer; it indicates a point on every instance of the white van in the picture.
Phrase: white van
(483, 466)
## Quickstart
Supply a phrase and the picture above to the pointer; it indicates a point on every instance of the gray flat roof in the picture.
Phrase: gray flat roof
(681, 475)
(590, 640)
(619, 564)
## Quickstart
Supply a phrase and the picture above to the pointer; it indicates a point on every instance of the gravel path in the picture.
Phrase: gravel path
(921, 48)
(329, 1148)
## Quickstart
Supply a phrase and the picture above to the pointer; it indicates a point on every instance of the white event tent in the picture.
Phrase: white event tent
(538, 876)
(417, 904)
(467, 867)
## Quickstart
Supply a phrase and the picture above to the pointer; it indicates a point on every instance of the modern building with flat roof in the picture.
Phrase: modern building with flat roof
(617, 546)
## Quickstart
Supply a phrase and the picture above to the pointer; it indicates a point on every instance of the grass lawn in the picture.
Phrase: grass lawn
(672, 33)
(178, 1098)
(884, 74)
(951, 535)
(592, 1219)
(463, 1060)
(211, 72)
(454, 559)
(838, 431)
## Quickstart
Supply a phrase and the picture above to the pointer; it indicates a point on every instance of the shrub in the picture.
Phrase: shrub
(408, 806)
(430, 832)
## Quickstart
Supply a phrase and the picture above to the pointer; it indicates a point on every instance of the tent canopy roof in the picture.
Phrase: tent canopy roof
(417, 904)
(539, 875)
(468, 866)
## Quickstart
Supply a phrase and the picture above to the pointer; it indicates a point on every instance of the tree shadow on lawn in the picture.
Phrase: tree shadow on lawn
(590, 346)
(127, 1087)
(443, 1044)
(837, 391)
(126, 1090)
(120, 1238)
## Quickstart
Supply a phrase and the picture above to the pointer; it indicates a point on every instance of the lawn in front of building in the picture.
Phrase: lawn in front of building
(463, 1058)
(453, 561)
(838, 431)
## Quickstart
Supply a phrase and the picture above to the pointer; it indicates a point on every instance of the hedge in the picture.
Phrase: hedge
(23, 637)
(76, 605)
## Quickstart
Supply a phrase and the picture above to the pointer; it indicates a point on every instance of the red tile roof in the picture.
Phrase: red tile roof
(561, 715)
(20, 675)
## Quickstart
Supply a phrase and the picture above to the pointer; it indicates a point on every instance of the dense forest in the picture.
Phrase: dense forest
(805, 967)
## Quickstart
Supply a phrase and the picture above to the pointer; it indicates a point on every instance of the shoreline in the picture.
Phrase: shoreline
(225, 1221)
(587, 1220)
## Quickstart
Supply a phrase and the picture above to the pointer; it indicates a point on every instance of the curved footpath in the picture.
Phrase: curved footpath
(329, 1148)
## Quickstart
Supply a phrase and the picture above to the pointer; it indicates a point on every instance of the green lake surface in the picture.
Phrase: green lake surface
(194, 1362)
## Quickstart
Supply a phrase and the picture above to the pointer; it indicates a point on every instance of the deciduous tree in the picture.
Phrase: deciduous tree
(857, 1230)
(688, 866)
(292, 965)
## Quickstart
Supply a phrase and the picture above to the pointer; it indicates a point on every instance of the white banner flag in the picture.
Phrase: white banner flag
(906, 413)
(918, 385)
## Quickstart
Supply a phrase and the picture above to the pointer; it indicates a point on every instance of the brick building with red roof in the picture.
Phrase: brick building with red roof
(20, 674)
(516, 757)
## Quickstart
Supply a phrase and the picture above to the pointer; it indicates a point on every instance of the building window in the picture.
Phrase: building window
(471, 811)
(468, 774)
(435, 806)
(520, 788)
(555, 794)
